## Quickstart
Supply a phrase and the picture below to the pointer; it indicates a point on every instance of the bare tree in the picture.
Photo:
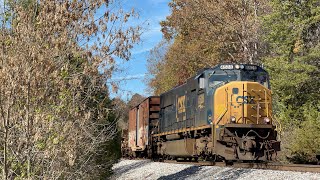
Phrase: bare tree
(54, 106)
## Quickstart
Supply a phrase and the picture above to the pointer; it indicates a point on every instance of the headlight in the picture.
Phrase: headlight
(237, 66)
(267, 120)
(233, 119)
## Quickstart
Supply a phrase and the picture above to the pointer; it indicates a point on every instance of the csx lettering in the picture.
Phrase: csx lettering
(245, 99)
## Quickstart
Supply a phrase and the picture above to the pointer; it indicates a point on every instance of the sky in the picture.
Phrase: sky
(133, 77)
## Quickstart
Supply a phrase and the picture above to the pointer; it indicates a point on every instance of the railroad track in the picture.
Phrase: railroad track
(269, 166)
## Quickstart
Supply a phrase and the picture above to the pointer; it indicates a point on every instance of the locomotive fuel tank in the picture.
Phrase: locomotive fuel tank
(179, 148)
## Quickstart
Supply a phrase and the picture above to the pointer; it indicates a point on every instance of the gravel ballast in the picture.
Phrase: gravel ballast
(146, 169)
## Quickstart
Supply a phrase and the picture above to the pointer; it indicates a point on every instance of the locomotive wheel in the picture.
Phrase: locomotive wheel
(228, 162)
(214, 158)
(195, 159)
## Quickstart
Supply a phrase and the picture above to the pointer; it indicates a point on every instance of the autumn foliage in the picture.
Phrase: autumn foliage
(55, 59)
(283, 36)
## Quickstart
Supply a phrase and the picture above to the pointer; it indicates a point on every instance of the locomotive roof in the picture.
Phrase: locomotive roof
(231, 66)
(221, 67)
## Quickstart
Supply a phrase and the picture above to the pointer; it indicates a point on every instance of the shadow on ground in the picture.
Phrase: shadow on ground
(191, 171)
(182, 174)
(123, 169)
(232, 174)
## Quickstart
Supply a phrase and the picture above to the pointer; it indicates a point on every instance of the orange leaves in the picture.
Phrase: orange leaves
(204, 33)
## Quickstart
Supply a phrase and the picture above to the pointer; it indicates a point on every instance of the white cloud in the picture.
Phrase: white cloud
(158, 1)
(129, 77)
(149, 39)
(154, 29)
(146, 49)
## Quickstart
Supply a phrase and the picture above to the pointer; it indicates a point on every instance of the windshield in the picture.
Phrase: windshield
(260, 77)
(220, 79)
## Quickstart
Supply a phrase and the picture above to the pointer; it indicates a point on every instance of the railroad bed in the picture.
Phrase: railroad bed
(146, 169)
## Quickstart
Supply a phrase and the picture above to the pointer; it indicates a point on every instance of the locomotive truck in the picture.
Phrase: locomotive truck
(221, 113)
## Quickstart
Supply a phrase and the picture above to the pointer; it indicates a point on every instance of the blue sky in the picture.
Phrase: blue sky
(133, 77)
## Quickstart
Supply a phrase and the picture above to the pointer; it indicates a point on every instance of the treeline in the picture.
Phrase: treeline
(56, 60)
(283, 35)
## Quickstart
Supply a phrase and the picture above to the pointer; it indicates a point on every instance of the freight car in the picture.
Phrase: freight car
(142, 120)
(222, 112)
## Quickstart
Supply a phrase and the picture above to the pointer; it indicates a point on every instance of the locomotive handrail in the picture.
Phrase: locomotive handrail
(226, 110)
(257, 104)
(265, 100)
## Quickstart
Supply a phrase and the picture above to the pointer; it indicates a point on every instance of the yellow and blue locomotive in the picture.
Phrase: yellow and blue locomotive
(223, 112)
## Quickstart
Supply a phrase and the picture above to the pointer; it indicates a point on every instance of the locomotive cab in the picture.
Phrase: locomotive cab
(240, 96)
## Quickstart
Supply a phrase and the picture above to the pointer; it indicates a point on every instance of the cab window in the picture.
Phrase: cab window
(260, 77)
(221, 79)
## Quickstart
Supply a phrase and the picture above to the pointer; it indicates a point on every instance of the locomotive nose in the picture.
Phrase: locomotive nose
(242, 103)
(243, 110)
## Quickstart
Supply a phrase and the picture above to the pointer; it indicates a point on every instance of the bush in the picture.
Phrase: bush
(304, 142)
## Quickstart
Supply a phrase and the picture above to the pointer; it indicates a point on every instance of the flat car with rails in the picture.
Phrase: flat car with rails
(222, 112)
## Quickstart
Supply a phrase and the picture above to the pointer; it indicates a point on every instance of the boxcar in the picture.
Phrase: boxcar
(142, 122)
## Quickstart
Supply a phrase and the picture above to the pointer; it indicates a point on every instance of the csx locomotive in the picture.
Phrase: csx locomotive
(222, 113)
